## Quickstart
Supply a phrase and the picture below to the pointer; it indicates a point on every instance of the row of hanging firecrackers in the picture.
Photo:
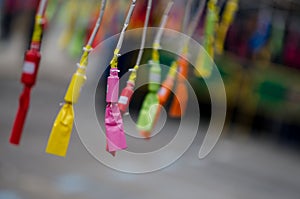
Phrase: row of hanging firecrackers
(69, 15)
(54, 7)
(61, 132)
(167, 85)
(150, 108)
(203, 66)
(227, 19)
(165, 90)
(110, 23)
(79, 36)
(29, 74)
(79, 18)
(127, 92)
(115, 136)
(150, 104)
(179, 103)
(78, 15)
(90, 28)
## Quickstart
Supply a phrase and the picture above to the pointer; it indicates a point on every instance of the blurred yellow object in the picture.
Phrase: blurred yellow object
(227, 18)
(38, 29)
(132, 77)
(203, 66)
(78, 79)
(75, 86)
(72, 10)
(61, 132)
(114, 61)
(202, 61)
(155, 53)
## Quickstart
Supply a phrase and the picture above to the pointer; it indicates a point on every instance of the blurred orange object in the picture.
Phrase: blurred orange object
(180, 99)
(167, 86)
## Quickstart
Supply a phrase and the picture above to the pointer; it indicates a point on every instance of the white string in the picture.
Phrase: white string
(42, 7)
(144, 33)
(163, 23)
(121, 39)
(98, 23)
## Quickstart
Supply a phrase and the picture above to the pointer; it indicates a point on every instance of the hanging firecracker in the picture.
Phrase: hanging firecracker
(115, 136)
(127, 92)
(146, 117)
(29, 74)
(61, 132)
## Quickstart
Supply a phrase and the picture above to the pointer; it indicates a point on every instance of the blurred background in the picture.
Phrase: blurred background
(258, 154)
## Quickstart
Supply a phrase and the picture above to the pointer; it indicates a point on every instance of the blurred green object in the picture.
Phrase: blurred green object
(277, 35)
(272, 92)
(77, 41)
(150, 105)
(147, 114)
(261, 88)
(51, 9)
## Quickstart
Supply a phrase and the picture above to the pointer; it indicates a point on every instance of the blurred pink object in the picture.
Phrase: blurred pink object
(115, 136)
(112, 95)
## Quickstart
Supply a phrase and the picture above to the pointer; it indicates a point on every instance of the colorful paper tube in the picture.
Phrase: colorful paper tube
(128, 91)
(29, 74)
(115, 136)
(179, 103)
(150, 105)
(147, 114)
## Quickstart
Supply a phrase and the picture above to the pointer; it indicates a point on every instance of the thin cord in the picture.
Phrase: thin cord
(192, 27)
(42, 7)
(98, 23)
(121, 39)
(144, 33)
(196, 19)
(163, 23)
(187, 15)
(87, 49)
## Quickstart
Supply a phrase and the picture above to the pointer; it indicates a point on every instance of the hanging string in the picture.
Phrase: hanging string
(144, 33)
(98, 23)
(179, 103)
(128, 91)
(132, 76)
(145, 120)
(114, 61)
(185, 23)
(227, 18)
(188, 30)
(156, 44)
(203, 66)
